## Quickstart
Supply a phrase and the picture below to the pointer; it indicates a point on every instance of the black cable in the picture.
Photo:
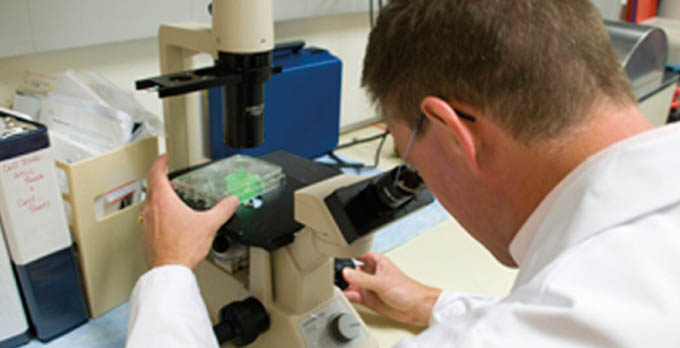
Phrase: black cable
(340, 163)
(361, 141)
(380, 5)
(370, 12)
(376, 161)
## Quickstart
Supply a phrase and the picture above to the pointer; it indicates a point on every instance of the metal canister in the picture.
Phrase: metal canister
(642, 51)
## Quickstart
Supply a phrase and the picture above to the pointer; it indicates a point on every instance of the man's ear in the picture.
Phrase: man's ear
(441, 114)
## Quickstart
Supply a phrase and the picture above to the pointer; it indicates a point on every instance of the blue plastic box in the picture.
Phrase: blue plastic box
(302, 105)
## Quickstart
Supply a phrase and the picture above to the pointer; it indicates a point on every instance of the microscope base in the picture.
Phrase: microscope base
(335, 323)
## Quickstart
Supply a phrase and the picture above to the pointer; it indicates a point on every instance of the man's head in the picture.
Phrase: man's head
(530, 71)
(535, 66)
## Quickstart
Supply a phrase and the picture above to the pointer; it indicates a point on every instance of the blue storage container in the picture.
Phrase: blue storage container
(302, 105)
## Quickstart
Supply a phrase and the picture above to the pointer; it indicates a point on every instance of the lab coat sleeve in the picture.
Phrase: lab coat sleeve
(166, 310)
(450, 307)
(454, 304)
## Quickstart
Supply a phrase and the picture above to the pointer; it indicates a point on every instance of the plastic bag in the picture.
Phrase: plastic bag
(88, 109)
(88, 116)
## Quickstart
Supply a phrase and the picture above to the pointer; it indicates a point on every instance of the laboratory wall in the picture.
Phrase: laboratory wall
(610, 9)
(123, 62)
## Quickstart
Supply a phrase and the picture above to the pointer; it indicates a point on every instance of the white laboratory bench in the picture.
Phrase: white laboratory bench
(438, 253)
(444, 256)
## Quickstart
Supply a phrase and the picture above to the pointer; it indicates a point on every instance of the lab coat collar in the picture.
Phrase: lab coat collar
(620, 183)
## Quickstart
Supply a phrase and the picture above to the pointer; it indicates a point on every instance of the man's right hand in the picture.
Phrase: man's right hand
(381, 286)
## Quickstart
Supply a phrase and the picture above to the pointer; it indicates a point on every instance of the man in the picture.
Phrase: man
(531, 138)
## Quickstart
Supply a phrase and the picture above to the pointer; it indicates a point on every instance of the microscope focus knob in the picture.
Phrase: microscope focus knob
(345, 327)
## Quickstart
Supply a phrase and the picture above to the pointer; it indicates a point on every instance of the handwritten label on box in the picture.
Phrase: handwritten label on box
(31, 207)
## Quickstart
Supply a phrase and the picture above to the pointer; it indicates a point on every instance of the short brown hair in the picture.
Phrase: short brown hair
(536, 67)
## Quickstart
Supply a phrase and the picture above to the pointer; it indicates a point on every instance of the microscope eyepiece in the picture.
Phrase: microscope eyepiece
(398, 186)
(360, 208)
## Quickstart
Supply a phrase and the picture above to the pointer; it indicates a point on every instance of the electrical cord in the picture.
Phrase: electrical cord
(340, 163)
(361, 141)
(376, 159)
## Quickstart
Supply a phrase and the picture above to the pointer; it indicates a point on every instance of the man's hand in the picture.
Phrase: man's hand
(175, 234)
(384, 288)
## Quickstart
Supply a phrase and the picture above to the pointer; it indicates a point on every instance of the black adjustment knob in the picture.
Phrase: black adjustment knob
(345, 327)
(339, 265)
(242, 322)
(220, 244)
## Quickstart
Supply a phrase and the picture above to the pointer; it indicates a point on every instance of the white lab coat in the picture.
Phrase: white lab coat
(599, 261)
(599, 264)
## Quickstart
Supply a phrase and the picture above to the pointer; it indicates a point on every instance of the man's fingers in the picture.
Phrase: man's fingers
(370, 260)
(223, 210)
(361, 279)
(160, 165)
(158, 179)
(353, 296)
(160, 187)
(368, 257)
(370, 300)
(146, 214)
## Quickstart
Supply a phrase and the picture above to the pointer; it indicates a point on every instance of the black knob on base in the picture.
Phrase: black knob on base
(242, 322)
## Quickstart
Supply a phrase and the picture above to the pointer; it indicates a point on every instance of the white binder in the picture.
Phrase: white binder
(36, 231)
(13, 319)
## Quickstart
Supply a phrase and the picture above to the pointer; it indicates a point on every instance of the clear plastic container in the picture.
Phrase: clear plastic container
(239, 175)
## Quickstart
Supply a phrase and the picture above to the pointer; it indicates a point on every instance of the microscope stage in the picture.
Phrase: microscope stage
(272, 225)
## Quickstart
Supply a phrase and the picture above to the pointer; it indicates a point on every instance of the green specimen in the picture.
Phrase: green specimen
(244, 185)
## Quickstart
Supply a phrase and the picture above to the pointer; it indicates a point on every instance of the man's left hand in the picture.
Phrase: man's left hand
(175, 234)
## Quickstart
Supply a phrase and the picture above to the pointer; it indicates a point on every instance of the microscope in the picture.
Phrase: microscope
(272, 263)
(280, 255)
